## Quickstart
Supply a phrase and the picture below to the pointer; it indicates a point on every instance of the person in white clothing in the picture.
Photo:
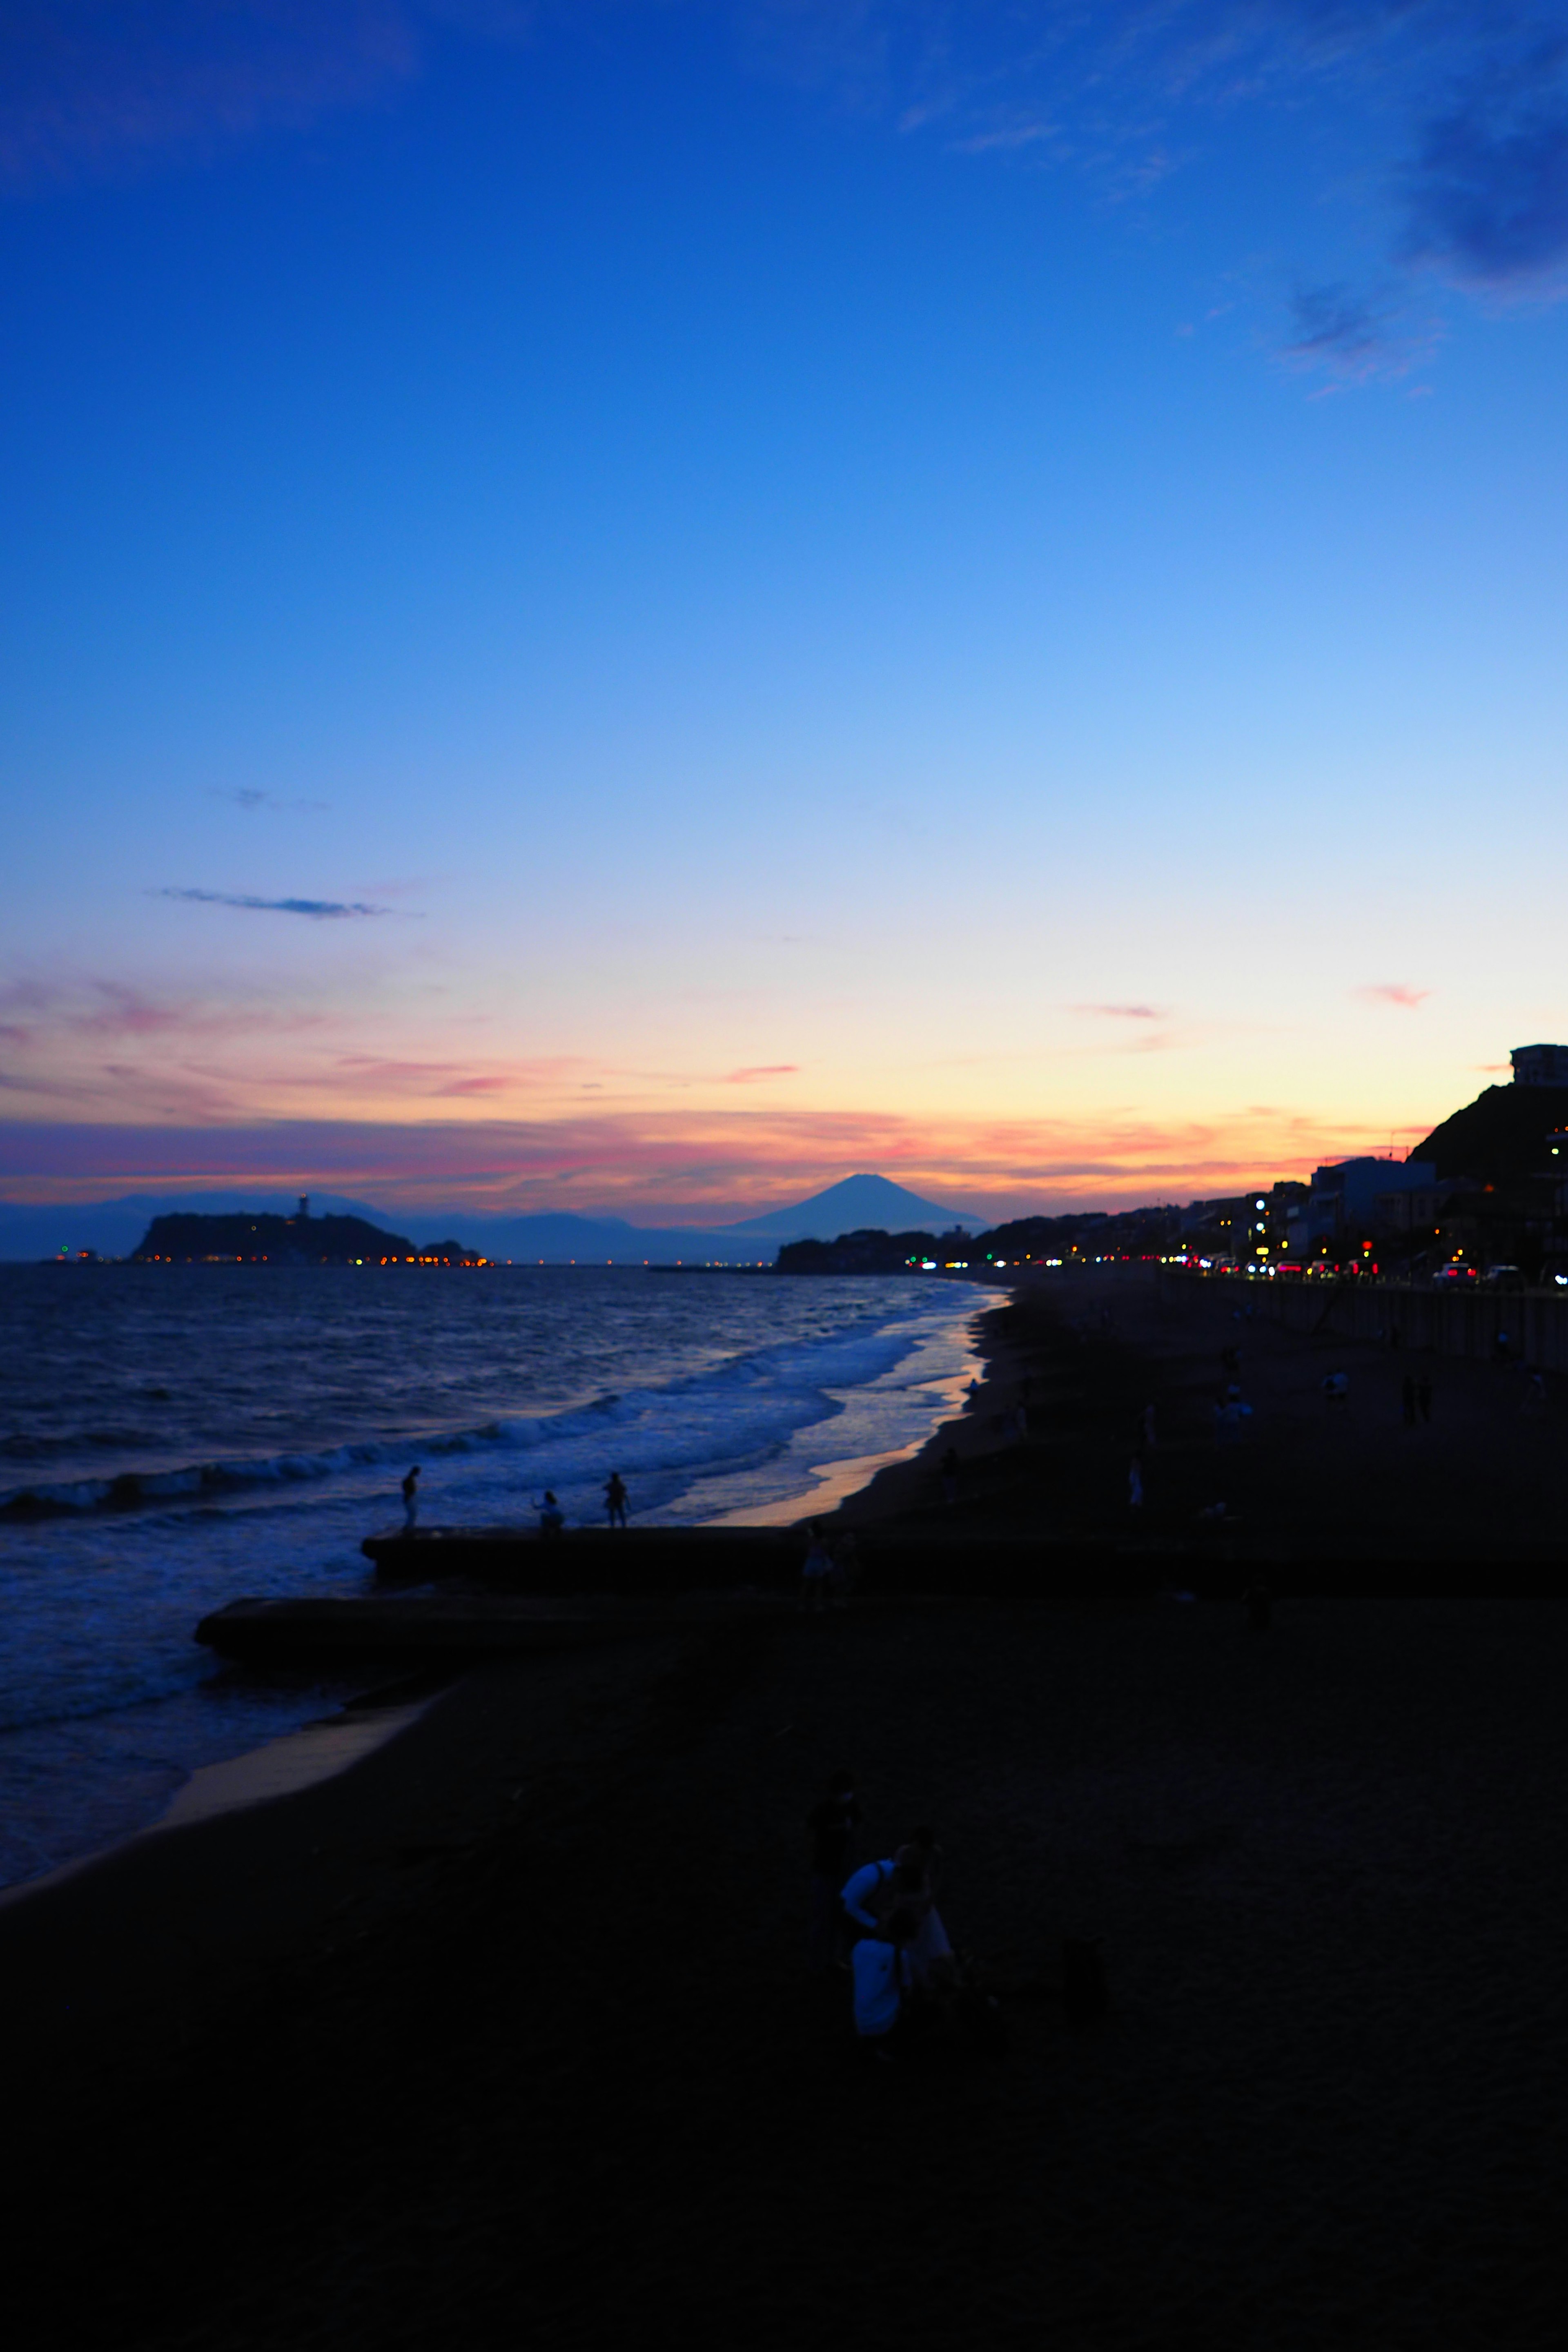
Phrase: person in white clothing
(913, 1889)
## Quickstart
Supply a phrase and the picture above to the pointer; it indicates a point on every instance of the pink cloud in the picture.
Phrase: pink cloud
(1394, 992)
(378, 1074)
(1142, 1027)
(713, 1164)
(762, 1070)
(91, 1008)
(126, 1012)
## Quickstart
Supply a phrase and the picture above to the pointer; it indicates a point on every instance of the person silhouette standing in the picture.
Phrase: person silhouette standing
(817, 1570)
(616, 1500)
(411, 1498)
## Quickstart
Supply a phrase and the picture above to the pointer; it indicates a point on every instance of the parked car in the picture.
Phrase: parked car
(1504, 1278)
(1452, 1276)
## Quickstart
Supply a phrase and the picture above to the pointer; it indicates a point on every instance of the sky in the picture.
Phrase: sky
(638, 605)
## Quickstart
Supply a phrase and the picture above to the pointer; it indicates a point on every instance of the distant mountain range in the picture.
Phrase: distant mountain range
(115, 1228)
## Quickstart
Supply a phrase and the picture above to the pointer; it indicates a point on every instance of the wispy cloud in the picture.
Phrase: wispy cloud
(748, 1077)
(88, 1005)
(1007, 135)
(1393, 992)
(1354, 337)
(1122, 1012)
(318, 910)
(249, 796)
(1132, 1027)
(1462, 108)
(379, 1075)
(114, 1010)
(1460, 112)
(95, 85)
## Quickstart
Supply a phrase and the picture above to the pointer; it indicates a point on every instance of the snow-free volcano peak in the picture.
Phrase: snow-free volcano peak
(856, 1204)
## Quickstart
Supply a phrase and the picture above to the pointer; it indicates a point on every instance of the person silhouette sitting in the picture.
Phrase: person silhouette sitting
(552, 1517)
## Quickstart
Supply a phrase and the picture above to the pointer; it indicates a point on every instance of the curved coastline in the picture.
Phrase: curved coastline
(847, 1487)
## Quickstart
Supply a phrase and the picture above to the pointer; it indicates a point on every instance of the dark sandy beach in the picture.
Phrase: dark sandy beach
(1319, 1497)
(505, 2035)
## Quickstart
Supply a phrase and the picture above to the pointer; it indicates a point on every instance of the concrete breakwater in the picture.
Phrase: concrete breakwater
(637, 1560)
(1468, 1320)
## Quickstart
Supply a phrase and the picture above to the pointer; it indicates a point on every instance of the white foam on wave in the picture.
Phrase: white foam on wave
(726, 1412)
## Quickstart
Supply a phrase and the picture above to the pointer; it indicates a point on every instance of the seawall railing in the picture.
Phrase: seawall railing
(1459, 1321)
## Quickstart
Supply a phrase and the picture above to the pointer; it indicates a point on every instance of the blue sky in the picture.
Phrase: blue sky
(644, 604)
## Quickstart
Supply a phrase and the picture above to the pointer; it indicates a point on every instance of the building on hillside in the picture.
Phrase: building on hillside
(1512, 1223)
(1539, 1065)
(1217, 1228)
(1412, 1212)
(1246, 1226)
(1351, 1200)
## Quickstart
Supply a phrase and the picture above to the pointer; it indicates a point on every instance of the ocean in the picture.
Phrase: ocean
(173, 1437)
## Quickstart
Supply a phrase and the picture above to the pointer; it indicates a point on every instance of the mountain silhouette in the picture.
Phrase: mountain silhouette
(858, 1202)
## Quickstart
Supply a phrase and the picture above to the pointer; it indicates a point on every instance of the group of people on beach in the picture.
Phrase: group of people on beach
(552, 1517)
(880, 1923)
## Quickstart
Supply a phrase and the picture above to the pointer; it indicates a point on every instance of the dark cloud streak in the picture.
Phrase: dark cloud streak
(250, 796)
(318, 909)
(1489, 195)
(1354, 337)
